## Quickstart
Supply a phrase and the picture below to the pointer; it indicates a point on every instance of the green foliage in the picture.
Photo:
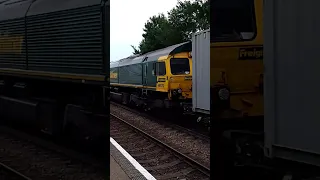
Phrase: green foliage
(135, 50)
(183, 20)
(189, 17)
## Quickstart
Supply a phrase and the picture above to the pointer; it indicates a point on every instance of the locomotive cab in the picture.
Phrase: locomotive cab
(174, 76)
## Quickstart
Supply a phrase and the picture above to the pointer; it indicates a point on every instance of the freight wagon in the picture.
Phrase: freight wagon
(54, 63)
(291, 123)
(158, 79)
(201, 97)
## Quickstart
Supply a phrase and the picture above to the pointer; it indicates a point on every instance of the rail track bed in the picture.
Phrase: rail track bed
(39, 159)
(188, 142)
(171, 118)
(162, 160)
(178, 123)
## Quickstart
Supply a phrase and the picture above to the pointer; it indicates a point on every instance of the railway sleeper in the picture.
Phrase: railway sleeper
(164, 166)
(156, 151)
(181, 173)
(165, 157)
(150, 146)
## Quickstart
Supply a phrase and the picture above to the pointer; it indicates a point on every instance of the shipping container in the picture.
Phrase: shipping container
(292, 95)
(201, 72)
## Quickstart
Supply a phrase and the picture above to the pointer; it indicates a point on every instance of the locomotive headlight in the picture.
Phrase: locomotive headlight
(224, 94)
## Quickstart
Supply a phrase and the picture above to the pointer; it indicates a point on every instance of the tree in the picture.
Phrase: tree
(158, 33)
(190, 17)
(135, 50)
(183, 20)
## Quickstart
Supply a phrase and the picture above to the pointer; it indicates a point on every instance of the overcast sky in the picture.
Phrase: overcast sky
(127, 19)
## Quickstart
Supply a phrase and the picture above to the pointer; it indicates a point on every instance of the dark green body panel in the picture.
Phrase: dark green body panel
(67, 37)
(149, 78)
(131, 74)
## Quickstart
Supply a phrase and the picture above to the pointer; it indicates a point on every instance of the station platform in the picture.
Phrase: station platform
(123, 166)
(116, 172)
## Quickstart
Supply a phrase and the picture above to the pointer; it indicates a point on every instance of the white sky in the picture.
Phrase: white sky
(127, 19)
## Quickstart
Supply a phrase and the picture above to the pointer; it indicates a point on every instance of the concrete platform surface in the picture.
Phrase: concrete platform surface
(124, 164)
(116, 172)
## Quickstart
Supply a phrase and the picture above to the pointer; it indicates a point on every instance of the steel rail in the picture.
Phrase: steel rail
(202, 168)
(178, 127)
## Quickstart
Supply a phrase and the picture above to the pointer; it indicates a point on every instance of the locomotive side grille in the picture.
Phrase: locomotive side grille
(12, 44)
(66, 41)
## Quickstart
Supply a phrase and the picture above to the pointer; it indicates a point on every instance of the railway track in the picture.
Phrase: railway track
(40, 159)
(167, 123)
(160, 159)
(186, 141)
(9, 173)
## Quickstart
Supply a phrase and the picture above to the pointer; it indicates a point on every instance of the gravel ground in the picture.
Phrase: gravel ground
(39, 163)
(155, 159)
(197, 149)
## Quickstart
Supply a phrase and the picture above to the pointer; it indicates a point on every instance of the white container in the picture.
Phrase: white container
(201, 72)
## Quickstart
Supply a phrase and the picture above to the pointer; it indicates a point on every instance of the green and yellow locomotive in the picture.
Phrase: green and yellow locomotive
(158, 79)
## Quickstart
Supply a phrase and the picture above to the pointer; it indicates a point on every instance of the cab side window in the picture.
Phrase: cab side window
(233, 20)
(159, 68)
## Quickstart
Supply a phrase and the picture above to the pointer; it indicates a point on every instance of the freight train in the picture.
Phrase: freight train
(231, 57)
(282, 144)
(158, 79)
(54, 59)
